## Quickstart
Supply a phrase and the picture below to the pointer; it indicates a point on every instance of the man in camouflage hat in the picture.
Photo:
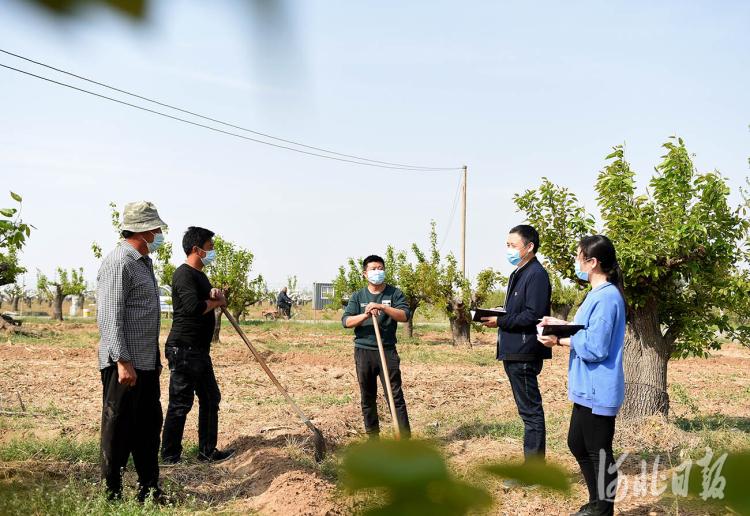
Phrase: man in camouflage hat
(128, 316)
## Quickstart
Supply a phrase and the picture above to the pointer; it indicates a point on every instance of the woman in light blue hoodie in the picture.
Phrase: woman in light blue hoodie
(596, 382)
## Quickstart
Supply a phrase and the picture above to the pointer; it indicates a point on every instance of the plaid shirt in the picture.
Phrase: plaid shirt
(128, 309)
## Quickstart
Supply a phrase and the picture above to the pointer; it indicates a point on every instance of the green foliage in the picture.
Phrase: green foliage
(134, 8)
(446, 287)
(13, 235)
(561, 222)
(565, 296)
(231, 272)
(734, 472)
(413, 476)
(533, 472)
(681, 246)
(66, 283)
(349, 280)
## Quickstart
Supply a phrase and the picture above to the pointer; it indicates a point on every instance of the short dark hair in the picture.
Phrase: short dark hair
(126, 234)
(370, 259)
(195, 237)
(528, 233)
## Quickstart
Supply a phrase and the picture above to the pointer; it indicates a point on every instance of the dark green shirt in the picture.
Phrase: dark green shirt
(364, 334)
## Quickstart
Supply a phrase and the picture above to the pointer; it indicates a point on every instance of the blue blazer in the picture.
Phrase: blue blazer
(528, 299)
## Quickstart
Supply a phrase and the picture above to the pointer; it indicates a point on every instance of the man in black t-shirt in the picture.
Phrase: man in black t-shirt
(187, 350)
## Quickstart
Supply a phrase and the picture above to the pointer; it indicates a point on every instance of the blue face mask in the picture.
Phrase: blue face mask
(376, 277)
(209, 258)
(584, 276)
(514, 256)
(156, 244)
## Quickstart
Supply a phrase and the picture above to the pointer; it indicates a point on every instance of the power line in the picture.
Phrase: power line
(204, 117)
(210, 128)
(453, 213)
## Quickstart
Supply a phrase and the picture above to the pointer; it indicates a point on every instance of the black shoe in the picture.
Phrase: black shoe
(597, 508)
(216, 456)
(167, 462)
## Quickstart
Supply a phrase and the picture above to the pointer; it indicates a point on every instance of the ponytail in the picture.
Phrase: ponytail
(616, 277)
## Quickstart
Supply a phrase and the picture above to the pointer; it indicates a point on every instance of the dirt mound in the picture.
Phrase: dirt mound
(272, 482)
(297, 493)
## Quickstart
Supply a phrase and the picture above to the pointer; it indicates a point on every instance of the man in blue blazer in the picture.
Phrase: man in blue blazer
(527, 300)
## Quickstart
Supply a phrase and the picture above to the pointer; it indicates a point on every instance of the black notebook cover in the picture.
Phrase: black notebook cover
(486, 312)
(562, 330)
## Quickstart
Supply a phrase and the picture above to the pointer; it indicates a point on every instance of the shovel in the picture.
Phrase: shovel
(318, 440)
(387, 377)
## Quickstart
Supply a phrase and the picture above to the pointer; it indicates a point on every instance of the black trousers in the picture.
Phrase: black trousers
(131, 424)
(590, 441)
(191, 374)
(368, 366)
(525, 387)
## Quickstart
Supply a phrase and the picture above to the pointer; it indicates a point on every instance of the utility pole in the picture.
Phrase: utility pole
(463, 225)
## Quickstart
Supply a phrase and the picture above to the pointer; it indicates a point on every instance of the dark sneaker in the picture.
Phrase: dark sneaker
(168, 462)
(216, 456)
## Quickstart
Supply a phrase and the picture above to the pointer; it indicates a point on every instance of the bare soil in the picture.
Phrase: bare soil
(458, 397)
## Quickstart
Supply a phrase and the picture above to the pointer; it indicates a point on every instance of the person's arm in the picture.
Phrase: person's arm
(592, 343)
(185, 287)
(536, 300)
(398, 309)
(112, 285)
(352, 317)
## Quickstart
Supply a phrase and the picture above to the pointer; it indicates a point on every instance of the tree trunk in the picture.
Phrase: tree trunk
(561, 311)
(59, 298)
(461, 332)
(409, 328)
(217, 328)
(645, 359)
(460, 320)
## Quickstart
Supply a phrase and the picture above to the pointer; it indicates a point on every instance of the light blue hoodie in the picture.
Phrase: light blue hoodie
(595, 376)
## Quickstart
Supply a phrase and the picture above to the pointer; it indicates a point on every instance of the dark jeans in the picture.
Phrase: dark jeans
(286, 311)
(191, 374)
(131, 423)
(588, 436)
(369, 370)
(525, 387)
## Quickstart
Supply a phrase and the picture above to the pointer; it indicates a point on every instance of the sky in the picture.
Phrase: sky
(516, 91)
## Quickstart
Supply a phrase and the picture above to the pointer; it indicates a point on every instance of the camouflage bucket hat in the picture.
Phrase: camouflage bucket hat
(141, 216)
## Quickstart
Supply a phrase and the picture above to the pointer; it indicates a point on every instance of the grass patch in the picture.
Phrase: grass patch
(328, 468)
(495, 430)
(61, 449)
(432, 354)
(79, 498)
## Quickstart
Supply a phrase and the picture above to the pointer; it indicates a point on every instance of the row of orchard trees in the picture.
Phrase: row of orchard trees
(231, 270)
(428, 278)
(683, 248)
